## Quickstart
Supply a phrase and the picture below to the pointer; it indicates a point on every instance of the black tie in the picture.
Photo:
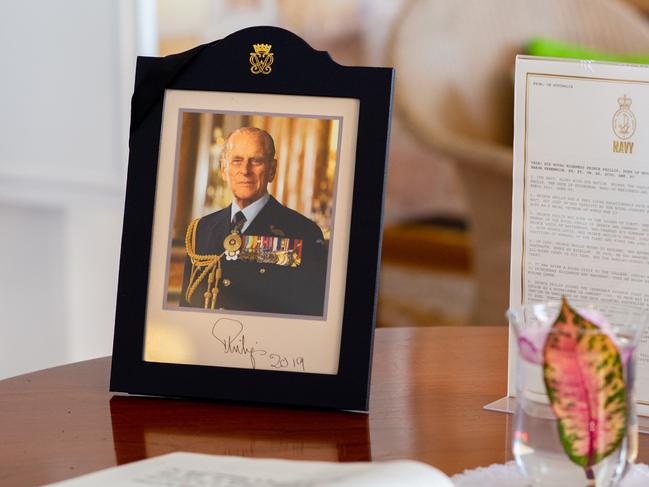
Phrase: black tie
(237, 222)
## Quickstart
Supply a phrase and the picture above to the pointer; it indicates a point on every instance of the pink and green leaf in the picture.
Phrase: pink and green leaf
(584, 380)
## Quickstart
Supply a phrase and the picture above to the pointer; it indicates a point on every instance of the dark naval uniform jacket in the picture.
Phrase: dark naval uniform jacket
(263, 287)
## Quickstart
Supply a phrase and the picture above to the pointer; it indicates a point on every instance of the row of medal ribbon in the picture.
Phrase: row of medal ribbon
(264, 250)
(271, 244)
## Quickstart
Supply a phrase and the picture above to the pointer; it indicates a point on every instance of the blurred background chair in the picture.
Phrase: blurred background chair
(454, 93)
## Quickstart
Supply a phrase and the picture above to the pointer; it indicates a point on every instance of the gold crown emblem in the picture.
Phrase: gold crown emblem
(262, 48)
(624, 101)
(262, 59)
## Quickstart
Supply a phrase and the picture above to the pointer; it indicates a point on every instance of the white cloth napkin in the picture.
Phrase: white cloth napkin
(507, 475)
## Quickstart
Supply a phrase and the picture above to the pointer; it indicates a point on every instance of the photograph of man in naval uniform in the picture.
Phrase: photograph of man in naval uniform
(255, 255)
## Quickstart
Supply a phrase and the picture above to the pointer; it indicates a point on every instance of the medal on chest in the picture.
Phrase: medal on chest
(231, 245)
(263, 249)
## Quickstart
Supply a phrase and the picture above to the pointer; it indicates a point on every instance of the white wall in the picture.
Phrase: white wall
(64, 108)
(59, 93)
(32, 301)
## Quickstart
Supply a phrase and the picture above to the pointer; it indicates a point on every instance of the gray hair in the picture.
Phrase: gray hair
(269, 143)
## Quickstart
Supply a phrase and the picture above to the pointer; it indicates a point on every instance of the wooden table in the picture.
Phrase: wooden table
(428, 389)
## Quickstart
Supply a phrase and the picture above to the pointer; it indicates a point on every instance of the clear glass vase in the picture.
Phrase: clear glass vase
(537, 447)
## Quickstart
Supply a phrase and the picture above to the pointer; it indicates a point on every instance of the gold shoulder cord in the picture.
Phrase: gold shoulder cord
(202, 265)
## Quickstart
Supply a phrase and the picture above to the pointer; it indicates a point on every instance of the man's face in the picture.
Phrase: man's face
(247, 169)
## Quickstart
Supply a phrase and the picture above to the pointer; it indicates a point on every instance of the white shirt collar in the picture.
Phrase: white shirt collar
(250, 212)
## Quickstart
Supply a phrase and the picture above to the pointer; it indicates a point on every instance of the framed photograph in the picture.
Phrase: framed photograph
(252, 226)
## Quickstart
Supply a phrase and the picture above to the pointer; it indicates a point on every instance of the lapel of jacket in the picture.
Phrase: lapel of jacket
(264, 219)
(218, 229)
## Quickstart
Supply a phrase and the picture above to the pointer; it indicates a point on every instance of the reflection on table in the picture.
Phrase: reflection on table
(428, 389)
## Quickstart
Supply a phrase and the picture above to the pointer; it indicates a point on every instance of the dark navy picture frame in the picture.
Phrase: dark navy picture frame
(224, 66)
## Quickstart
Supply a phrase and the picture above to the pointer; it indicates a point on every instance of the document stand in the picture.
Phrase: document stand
(508, 405)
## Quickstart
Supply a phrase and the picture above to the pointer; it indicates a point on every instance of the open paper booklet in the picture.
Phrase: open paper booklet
(198, 470)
